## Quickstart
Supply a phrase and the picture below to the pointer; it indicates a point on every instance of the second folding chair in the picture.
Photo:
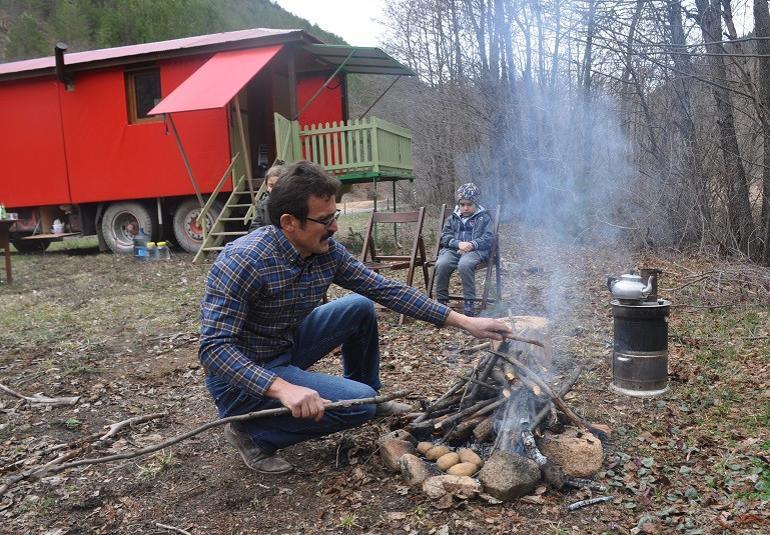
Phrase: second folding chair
(377, 261)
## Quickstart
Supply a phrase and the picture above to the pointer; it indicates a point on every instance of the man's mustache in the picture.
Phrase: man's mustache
(328, 235)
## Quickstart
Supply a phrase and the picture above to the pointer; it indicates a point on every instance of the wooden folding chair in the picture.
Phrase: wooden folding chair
(380, 262)
(491, 263)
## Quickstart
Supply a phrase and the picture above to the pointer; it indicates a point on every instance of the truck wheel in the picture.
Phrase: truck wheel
(188, 233)
(121, 221)
(30, 246)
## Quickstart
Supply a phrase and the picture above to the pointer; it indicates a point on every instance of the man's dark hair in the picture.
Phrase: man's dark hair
(291, 193)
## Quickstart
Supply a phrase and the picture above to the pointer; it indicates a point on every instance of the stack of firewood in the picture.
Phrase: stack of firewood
(505, 373)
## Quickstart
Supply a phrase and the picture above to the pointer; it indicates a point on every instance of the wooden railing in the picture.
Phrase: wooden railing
(359, 147)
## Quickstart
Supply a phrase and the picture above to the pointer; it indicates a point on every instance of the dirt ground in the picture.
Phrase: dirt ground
(123, 336)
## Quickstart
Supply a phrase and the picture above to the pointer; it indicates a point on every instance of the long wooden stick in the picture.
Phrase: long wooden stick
(563, 389)
(36, 472)
(42, 400)
(532, 376)
(437, 404)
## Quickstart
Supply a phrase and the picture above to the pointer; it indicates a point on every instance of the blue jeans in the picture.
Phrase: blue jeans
(449, 260)
(350, 322)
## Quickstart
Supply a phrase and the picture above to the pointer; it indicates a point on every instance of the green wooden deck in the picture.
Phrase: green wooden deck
(355, 151)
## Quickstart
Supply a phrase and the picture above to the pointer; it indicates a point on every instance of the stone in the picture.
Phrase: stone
(414, 470)
(579, 453)
(463, 469)
(459, 486)
(400, 434)
(507, 476)
(392, 449)
(447, 461)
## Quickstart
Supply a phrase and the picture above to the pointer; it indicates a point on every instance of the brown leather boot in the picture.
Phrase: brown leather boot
(253, 456)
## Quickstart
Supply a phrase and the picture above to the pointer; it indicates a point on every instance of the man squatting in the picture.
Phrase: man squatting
(262, 326)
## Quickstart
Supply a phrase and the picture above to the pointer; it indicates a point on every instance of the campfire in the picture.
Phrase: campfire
(501, 429)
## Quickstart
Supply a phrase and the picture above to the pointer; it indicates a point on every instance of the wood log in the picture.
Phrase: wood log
(483, 431)
(465, 428)
(461, 415)
(455, 388)
(528, 374)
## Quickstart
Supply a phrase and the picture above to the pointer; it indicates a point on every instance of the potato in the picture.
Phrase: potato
(422, 447)
(435, 452)
(445, 462)
(462, 469)
(467, 455)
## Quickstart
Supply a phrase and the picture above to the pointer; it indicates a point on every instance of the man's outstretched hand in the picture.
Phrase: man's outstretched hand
(301, 401)
(480, 327)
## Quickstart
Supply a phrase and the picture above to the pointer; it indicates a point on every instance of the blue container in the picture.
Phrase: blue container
(140, 245)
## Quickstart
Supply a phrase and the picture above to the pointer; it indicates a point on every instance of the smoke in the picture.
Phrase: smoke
(563, 177)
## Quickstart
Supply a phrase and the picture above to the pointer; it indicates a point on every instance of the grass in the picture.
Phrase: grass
(349, 522)
(156, 466)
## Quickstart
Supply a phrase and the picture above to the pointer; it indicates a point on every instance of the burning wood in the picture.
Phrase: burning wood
(496, 408)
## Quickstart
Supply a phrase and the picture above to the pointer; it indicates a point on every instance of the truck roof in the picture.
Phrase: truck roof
(121, 55)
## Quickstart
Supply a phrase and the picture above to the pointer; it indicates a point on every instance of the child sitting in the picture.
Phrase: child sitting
(466, 240)
(261, 217)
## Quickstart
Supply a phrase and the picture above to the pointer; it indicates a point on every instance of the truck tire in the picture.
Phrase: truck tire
(121, 221)
(187, 232)
(30, 246)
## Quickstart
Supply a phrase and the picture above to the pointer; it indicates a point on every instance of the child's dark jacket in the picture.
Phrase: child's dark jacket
(477, 230)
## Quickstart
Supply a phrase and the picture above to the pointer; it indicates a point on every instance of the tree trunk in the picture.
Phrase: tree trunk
(762, 32)
(736, 186)
(692, 172)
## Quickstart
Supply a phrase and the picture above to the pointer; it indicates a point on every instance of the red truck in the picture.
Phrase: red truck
(78, 142)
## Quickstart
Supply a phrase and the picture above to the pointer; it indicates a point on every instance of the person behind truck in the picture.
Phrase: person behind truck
(466, 240)
(262, 326)
(261, 217)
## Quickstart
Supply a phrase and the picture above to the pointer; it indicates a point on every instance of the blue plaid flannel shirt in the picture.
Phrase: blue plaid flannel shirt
(260, 289)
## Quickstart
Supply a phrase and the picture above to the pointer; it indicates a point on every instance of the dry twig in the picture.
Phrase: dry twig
(42, 400)
(58, 465)
(172, 528)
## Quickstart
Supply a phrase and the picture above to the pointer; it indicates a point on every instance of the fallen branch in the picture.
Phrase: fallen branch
(55, 467)
(42, 400)
(590, 501)
(115, 428)
(172, 528)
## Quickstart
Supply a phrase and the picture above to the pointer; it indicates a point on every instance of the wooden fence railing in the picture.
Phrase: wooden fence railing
(357, 146)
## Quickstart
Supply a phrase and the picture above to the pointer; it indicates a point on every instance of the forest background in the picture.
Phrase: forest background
(640, 122)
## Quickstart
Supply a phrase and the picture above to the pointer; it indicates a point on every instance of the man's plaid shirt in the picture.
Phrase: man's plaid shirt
(260, 289)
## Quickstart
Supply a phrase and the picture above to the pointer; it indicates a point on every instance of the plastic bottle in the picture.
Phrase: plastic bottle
(140, 245)
(163, 251)
(152, 251)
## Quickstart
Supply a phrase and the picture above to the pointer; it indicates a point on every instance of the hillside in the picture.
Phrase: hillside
(29, 29)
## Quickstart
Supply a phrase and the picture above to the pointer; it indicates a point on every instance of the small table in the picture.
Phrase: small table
(5, 243)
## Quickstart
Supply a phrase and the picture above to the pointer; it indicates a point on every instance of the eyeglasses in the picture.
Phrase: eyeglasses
(327, 221)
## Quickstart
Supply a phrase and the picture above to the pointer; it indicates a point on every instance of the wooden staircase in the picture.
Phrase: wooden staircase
(355, 151)
(239, 208)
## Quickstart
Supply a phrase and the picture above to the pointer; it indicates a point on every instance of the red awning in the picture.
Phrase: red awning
(217, 81)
